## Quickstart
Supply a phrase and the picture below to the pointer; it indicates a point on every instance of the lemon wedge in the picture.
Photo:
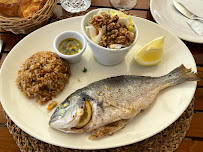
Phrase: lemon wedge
(151, 53)
(86, 117)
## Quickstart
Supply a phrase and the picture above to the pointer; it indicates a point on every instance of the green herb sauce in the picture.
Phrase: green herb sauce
(70, 46)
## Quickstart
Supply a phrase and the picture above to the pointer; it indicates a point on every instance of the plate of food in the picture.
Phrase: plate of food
(165, 14)
(95, 88)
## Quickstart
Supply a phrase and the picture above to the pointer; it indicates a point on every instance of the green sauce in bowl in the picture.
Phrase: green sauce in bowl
(70, 46)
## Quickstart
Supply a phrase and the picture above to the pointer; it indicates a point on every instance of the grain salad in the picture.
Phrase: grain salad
(43, 75)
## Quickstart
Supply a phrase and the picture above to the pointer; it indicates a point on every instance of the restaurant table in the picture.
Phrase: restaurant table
(193, 141)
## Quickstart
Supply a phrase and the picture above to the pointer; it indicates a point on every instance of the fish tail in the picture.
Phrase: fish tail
(182, 74)
(179, 75)
(188, 74)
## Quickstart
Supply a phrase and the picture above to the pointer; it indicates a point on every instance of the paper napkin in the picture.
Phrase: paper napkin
(197, 26)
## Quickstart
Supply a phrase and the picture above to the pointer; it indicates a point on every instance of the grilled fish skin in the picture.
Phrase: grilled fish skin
(114, 101)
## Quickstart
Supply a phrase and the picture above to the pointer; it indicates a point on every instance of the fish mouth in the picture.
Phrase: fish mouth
(60, 119)
(66, 117)
(63, 127)
(76, 114)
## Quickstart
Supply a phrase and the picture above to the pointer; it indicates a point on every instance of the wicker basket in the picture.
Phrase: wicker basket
(26, 25)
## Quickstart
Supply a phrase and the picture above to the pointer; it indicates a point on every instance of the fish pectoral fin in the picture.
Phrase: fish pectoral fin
(108, 129)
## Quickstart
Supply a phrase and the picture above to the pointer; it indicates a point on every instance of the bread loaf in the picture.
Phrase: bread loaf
(29, 7)
(9, 7)
(22, 8)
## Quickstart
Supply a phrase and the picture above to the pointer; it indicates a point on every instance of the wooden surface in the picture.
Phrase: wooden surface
(193, 141)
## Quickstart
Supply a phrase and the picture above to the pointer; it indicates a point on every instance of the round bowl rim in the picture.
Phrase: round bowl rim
(74, 55)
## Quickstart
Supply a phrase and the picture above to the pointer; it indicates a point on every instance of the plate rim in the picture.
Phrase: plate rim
(96, 147)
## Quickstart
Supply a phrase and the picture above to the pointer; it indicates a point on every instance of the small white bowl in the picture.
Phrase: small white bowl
(104, 55)
(70, 34)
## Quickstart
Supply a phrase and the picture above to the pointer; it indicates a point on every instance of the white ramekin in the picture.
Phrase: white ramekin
(104, 55)
(70, 34)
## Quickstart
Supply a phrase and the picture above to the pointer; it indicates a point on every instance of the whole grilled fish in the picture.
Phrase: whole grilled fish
(114, 101)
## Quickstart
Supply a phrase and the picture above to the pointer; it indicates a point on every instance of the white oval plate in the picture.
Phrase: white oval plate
(33, 118)
(165, 14)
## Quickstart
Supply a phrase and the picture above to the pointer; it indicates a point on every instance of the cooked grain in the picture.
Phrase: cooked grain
(43, 75)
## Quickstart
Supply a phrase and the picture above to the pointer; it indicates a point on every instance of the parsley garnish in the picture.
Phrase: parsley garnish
(84, 70)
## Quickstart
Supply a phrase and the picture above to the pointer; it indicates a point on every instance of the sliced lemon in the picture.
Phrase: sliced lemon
(86, 117)
(151, 53)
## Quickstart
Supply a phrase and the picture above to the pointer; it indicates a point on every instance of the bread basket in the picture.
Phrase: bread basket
(26, 25)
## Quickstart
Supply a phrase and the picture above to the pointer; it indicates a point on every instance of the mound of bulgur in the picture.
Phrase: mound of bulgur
(43, 75)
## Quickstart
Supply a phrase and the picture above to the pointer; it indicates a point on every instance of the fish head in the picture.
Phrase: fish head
(68, 114)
